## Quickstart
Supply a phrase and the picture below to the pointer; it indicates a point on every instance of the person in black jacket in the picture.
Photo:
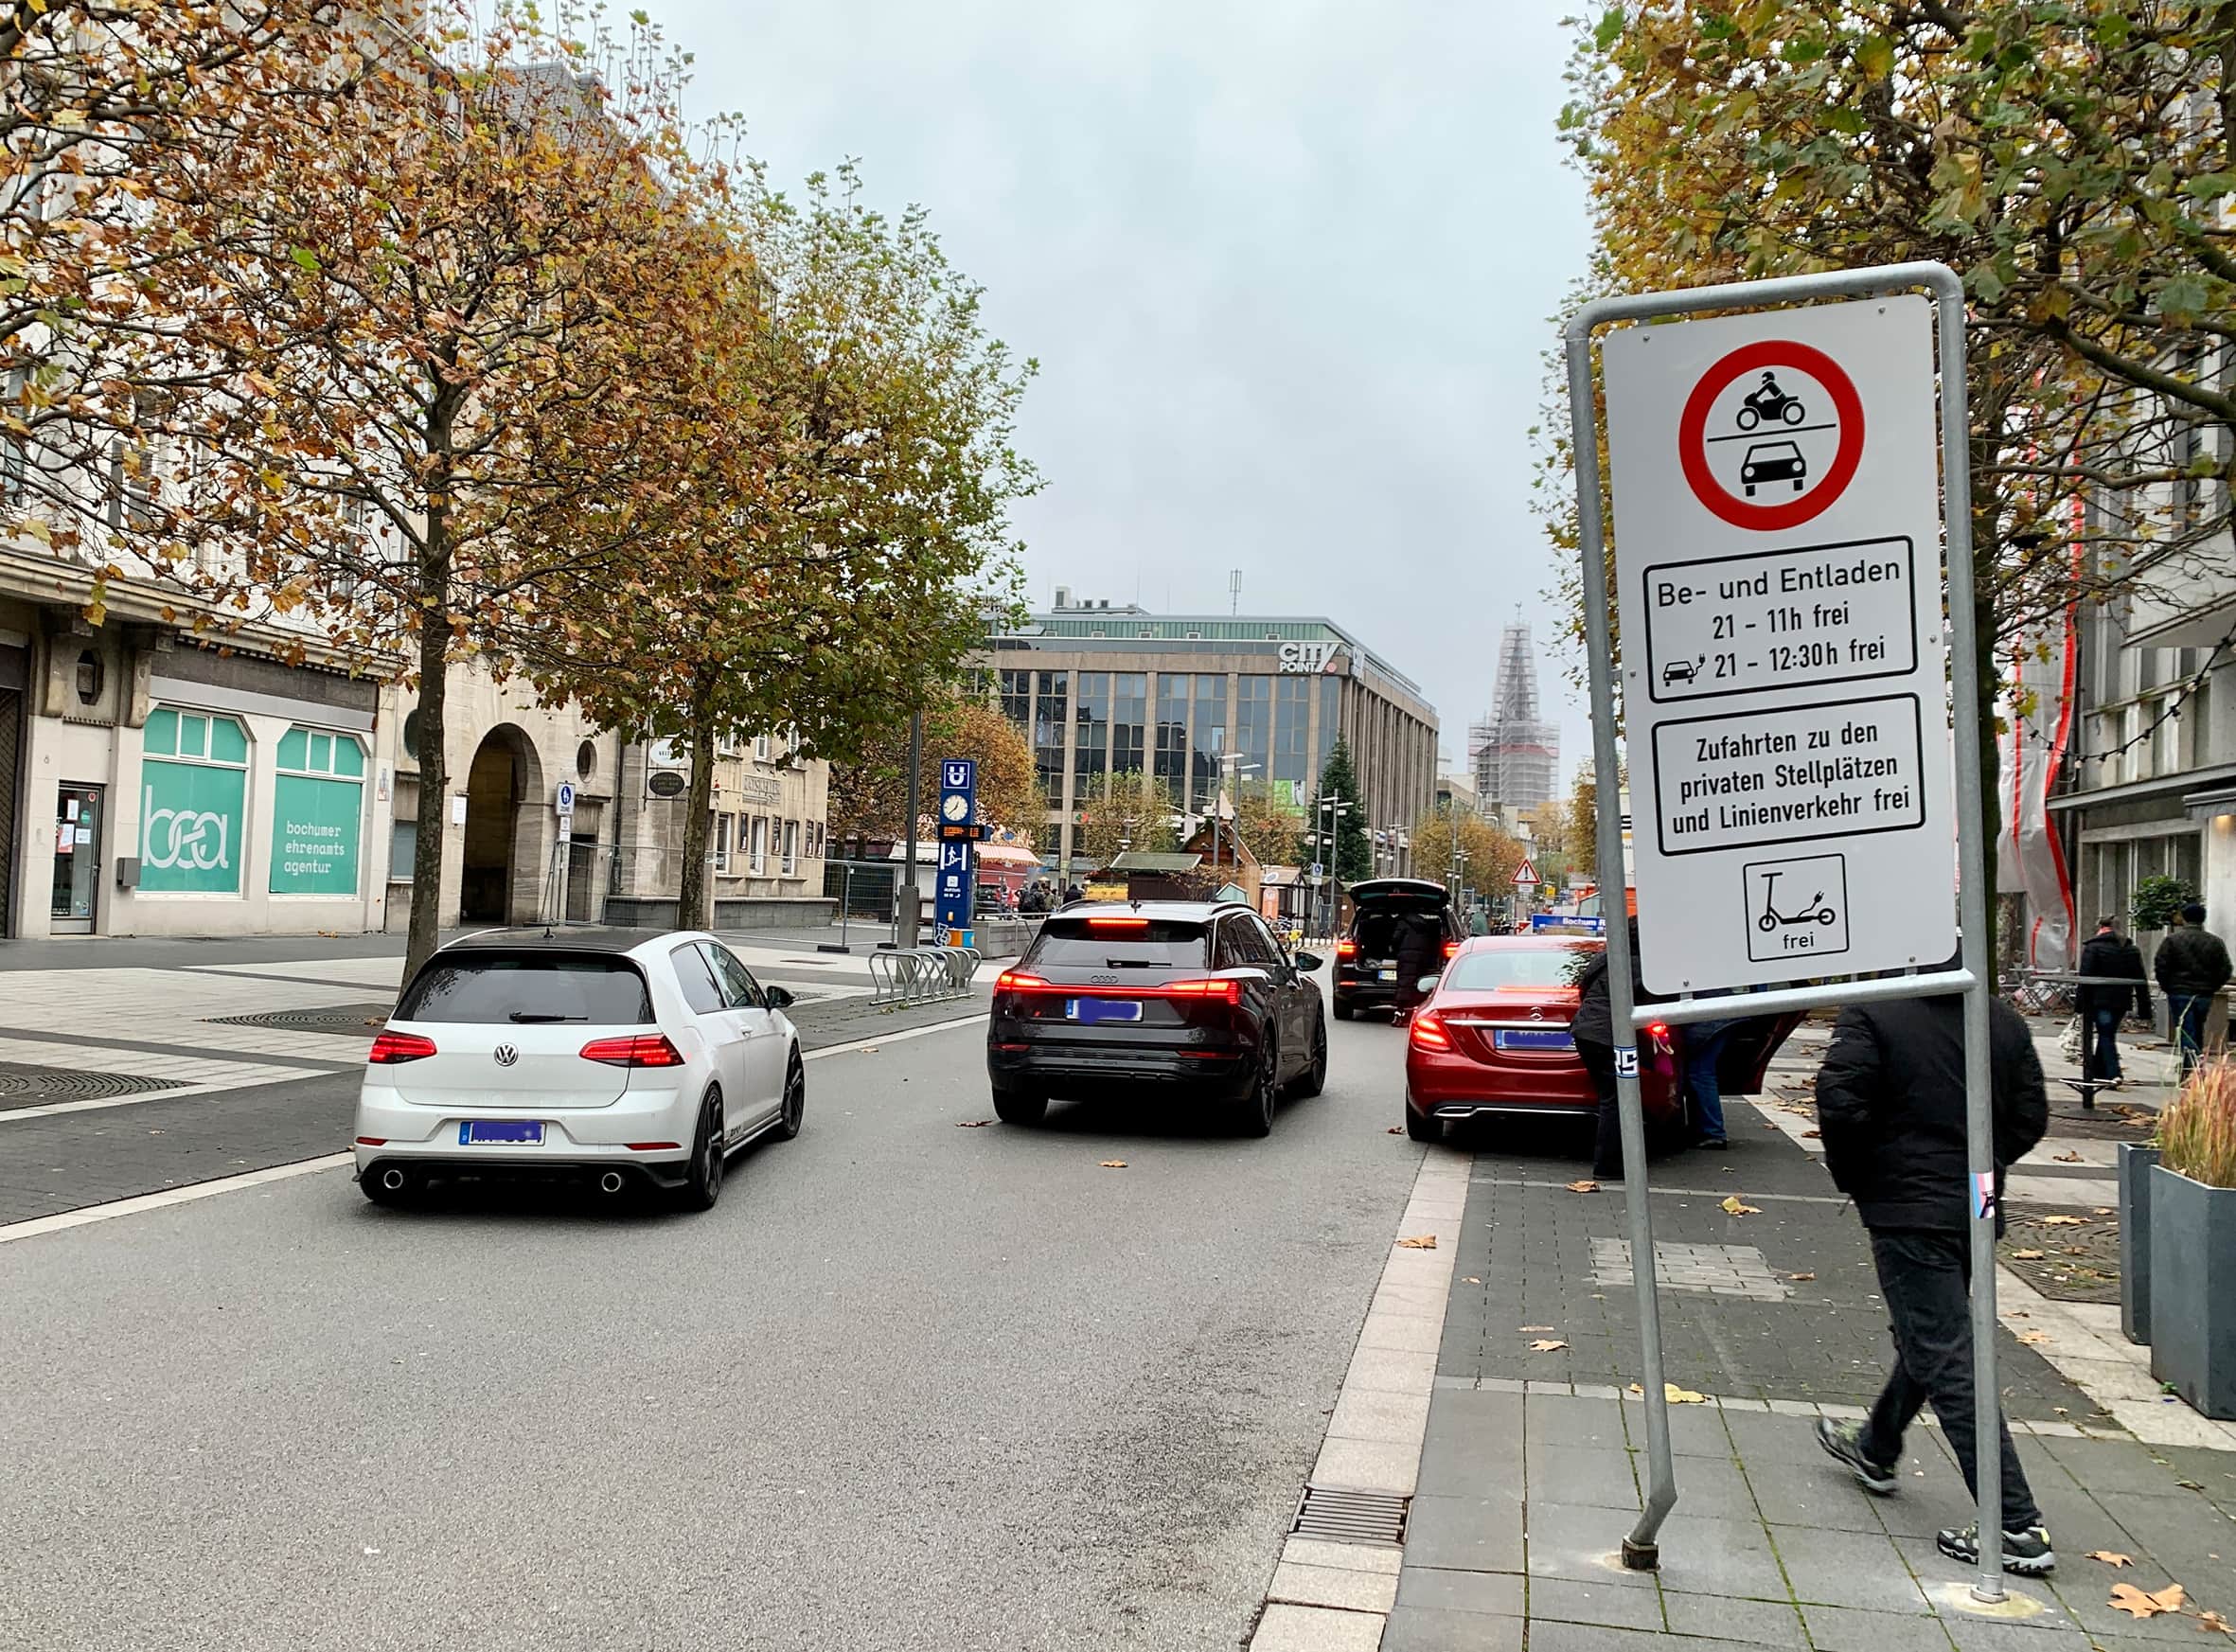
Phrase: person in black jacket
(1594, 1031)
(2193, 967)
(2103, 1009)
(1890, 1106)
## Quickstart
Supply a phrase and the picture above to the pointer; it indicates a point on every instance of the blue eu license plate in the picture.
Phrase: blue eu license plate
(480, 1133)
(1535, 1039)
(1089, 1011)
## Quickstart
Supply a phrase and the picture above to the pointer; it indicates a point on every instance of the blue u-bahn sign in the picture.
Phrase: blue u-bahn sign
(956, 872)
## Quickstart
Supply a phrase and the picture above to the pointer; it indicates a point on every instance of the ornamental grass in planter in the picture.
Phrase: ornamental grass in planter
(2194, 1242)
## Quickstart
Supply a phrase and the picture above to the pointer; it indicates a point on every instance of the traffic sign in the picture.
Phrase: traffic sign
(1525, 873)
(1785, 675)
(956, 869)
(566, 797)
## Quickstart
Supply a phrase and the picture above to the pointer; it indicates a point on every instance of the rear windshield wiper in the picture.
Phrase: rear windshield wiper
(537, 1016)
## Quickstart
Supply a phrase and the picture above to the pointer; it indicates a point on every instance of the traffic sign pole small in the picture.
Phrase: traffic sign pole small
(1786, 688)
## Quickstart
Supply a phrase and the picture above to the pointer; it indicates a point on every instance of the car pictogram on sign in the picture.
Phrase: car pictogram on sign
(1773, 462)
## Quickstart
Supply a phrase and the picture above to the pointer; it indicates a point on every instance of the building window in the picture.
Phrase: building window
(761, 749)
(14, 460)
(725, 834)
(1331, 712)
(1292, 726)
(757, 860)
(586, 759)
(403, 848)
(1210, 740)
(1052, 715)
(89, 677)
(193, 803)
(792, 848)
(1017, 700)
(1254, 724)
(317, 802)
(1172, 734)
(1092, 742)
(1129, 716)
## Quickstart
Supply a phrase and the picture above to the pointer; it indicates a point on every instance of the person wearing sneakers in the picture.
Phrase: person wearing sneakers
(1890, 1107)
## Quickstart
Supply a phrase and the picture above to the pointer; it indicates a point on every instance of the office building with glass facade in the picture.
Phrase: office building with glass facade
(1102, 690)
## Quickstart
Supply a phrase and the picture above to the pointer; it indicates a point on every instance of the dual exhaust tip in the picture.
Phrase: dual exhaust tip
(395, 1180)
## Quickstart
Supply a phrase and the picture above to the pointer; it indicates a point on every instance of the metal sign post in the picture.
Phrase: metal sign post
(1785, 688)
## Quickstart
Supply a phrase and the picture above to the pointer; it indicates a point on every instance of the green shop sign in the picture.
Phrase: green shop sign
(193, 803)
(314, 835)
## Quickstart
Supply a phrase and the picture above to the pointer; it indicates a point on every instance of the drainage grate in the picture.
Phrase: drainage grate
(355, 1021)
(1351, 1516)
(24, 1085)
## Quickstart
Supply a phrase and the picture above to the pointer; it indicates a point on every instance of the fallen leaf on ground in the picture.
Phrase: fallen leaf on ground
(2214, 1621)
(2064, 1222)
(972, 1123)
(2111, 1559)
(1733, 1205)
(1526, 1329)
(1423, 1242)
(1808, 1134)
(2028, 1255)
(1545, 1345)
(2136, 1603)
(1583, 1187)
(1471, 1280)
(1112, 1164)
(2189, 1485)
(1394, 1130)
(2105, 1210)
(1674, 1395)
(2031, 1338)
(1801, 1278)
(2067, 1158)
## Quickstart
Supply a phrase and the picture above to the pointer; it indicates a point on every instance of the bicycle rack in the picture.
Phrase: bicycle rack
(922, 974)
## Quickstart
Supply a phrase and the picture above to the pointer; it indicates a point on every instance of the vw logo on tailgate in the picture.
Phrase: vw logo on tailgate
(505, 1054)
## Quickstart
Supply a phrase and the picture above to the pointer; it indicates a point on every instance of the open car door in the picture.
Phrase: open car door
(1744, 1060)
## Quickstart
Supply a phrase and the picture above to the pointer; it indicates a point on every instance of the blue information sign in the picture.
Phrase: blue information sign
(956, 870)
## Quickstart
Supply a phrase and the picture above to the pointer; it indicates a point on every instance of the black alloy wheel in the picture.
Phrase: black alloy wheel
(1254, 1115)
(795, 1101)
(704, 1186)
(1314, 1078)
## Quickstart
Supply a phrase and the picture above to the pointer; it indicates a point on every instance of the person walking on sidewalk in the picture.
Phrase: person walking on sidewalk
(2193, 967)
(1594, 1030)
(1891, 1104)
(2103, 1009)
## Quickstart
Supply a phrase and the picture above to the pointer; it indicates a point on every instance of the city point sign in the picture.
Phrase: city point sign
(1309, 658)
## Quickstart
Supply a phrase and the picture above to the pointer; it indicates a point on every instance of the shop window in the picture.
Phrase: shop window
(193, 803)
(317, 804)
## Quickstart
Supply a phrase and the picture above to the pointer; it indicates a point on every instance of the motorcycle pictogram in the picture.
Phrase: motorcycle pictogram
(1769, 402)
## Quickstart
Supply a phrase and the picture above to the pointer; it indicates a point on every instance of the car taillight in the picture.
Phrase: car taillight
(1230, 991)
(1117, 923)
(1015, 981)
(1346, 948)
(636, 1050)
(1452, 948)
(390, 1048)
(1658, 1035)
(1428, 1032)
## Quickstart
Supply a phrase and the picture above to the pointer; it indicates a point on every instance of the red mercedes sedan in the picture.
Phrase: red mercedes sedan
(1492, 1039)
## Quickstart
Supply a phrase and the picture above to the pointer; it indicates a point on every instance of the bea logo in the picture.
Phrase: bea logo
(181, 837)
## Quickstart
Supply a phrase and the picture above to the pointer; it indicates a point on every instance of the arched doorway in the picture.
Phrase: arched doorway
(501, 777)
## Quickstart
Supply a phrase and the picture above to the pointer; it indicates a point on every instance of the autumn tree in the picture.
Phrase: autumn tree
(2069, 158)
(418, 322)
(1267, 823)
(103, 98)
(1124, 811)
(869, 791)
(834, 549)
(1484, 855)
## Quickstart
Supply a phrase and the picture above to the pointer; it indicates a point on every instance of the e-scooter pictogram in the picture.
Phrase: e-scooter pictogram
(1816, 912)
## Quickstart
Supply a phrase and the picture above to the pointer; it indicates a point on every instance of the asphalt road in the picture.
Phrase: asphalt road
(909, 1386)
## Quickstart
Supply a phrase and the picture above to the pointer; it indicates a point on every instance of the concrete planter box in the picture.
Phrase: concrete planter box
(2193, 1291)
(2135, 1239)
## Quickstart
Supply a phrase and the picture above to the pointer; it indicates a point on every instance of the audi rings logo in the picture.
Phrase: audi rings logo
(505, 1054)
(181, 837)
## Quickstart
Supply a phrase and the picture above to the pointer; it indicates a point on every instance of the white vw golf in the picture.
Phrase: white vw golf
(616, 1057)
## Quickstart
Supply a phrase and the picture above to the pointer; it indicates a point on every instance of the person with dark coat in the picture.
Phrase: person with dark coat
(1594, 1031)
(1891, 1104)
(1418, 950)
(2193, 967)
(2103, 1009)
(1074, 894)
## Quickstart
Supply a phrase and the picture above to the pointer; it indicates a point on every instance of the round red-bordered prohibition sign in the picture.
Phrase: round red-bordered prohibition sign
(1693, 430)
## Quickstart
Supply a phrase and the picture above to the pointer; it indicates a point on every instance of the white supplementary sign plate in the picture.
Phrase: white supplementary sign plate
(1778, 531)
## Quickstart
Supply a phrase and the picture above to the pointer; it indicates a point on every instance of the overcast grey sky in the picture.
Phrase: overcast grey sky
(1286, 266)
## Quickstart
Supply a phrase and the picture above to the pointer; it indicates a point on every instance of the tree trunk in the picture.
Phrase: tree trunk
(694, 906)
(434, 653)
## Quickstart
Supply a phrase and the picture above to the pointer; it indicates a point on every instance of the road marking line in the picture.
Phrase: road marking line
(185, 1091)
(968, 1021)
(169, 1196)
